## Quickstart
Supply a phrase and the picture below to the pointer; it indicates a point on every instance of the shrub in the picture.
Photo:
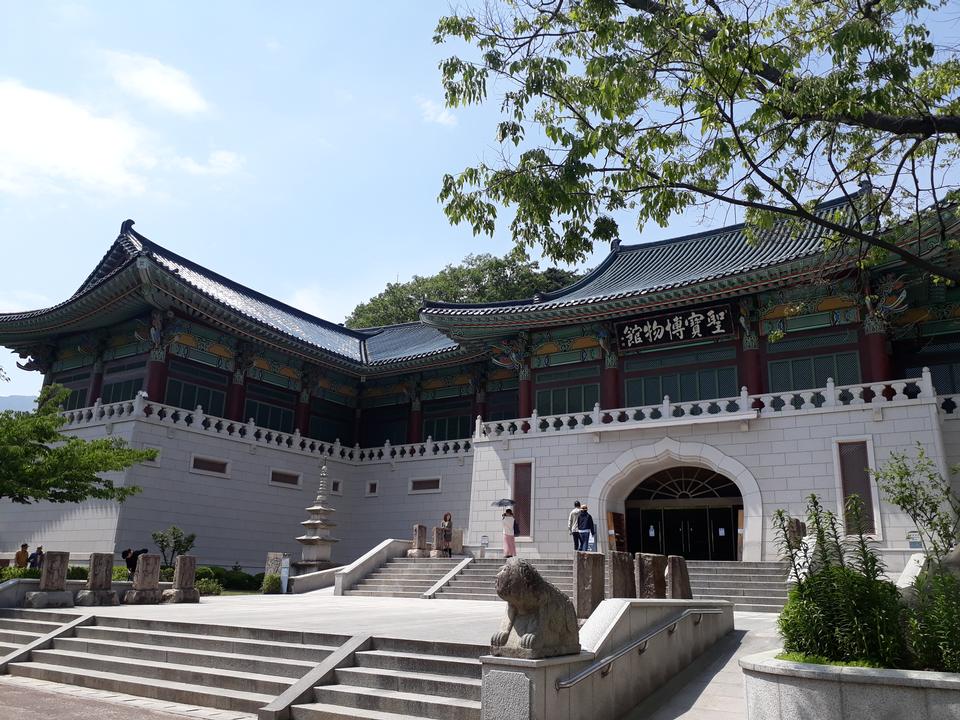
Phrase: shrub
(76, 572)
(843, 609)
(271, 584)
(173, 542)
(206, 586)
(239, 580)
(166, 574)
(932, 623)
(15, 573)
(120, 572)
(258, 579)
(205, 573)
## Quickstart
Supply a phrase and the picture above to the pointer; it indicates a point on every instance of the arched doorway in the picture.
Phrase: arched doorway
(695, 512)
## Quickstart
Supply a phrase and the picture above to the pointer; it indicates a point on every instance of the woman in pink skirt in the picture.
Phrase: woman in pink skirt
(509, 534)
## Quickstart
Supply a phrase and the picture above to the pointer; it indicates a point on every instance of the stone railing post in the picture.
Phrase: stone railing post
(623, 582)
(419, 547)
(830, 394)
(926, 384)
(588, 582)
(437, 541)
(650, 571)
(53, 583)
(665, 407)
(98, 590)
(146, 582)
(184, 578)
(744, 403)
(678, 579)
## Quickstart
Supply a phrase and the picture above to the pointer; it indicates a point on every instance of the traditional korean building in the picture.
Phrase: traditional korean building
(684, 389)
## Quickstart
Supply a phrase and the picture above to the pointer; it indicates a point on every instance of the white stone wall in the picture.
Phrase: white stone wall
(781, 460)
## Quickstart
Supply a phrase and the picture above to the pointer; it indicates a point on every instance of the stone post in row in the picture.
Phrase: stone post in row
(98, 590)
(588, 582)
(456, 544)
(184, 577)
(419, 549)
(650, 571)
(146, 582)
(437, 550)
(623, 582)
(53, 583)
(678, 579)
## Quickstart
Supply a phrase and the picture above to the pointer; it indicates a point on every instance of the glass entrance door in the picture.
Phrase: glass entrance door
(686, 533)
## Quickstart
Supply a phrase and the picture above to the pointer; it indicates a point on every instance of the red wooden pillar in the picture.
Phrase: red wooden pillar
(237, 396)
(751, 370)
(415, 425)
(525, 391)
(611, 389)
(302, 413)
(96, 383)
(874, 352)
(157, 376)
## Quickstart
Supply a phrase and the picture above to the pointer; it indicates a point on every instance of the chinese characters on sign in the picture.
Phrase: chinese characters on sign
(683, 325)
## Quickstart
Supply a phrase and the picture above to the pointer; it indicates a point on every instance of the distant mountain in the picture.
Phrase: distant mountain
(17, 402)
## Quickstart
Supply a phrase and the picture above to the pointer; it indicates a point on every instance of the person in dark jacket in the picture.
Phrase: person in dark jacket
(36, 558)
(585, 526)
(131, 557)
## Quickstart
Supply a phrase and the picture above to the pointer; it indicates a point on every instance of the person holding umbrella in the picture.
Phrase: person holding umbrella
(510, 527)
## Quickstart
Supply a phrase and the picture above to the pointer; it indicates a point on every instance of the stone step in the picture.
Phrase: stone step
(266, 648)
(411, 682)
(739, 600)
(447, 595)
(724, 582)
(17, 637)
(419, 662)
(738, 591)
(402, 580)
(738, 563)
(292, 637)
(7, 648)
(738, 572)
(186, 693)
(270, 685)
(417, 563)
(423, 706)
(397, 572)
(754, 607)
(204, 658)
(491, 577)
(39, 627)
(466, 651)
(51, 616)
(385, 593)
(323, 711)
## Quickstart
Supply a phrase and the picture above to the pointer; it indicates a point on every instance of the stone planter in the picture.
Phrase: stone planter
(781, 690)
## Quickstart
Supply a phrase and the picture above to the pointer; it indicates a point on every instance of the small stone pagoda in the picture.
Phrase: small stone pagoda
(316, 541)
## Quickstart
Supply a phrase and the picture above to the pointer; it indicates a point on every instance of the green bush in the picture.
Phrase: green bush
(120, 572)
(205, 573)
(932, 623)
(206, 586)
(258, 579)
(166, 574)
(271, 584)
(76, 572)
(239, 580)
(842, 608)
(14, 573)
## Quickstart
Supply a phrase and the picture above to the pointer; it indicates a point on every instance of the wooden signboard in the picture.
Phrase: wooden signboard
(678, 326)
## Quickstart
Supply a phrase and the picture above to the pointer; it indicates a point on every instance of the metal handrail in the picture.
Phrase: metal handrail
(605, 663)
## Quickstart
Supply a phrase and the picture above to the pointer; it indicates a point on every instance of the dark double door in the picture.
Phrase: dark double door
(697, 533)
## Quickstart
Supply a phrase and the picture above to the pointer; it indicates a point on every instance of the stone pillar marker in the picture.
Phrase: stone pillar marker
(53, 583)
(623, 583)
(650, 571)
(146, 582)
(437, 550)
(456, 544)
(678, 579)
(588, 579)
(419, 549)
(99, 582)
(184, 576)
(272, 566)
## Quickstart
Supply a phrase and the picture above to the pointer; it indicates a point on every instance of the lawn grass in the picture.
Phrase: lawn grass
(820, 660)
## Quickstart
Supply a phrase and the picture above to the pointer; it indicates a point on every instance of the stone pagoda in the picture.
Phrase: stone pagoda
(316, 541)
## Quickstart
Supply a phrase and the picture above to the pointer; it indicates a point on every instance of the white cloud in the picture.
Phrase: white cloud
(219, 162)
(12, 301)
(161, 85)
(272, 44)
(434, 112)
(48, 141)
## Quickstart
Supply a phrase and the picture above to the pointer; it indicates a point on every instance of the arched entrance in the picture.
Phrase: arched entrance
(694, 512)
(612, 485)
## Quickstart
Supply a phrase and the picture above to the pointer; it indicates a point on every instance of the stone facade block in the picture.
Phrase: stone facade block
(419, 548)
(272, 566)
(100, 576)
(588, 582)
(623, 583)
(146, 582)
(650, 571)
(184, 572)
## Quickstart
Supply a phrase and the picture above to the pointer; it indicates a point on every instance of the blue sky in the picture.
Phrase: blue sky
(297, 147)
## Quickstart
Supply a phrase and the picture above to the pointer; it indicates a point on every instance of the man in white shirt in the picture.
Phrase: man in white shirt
(572, 525)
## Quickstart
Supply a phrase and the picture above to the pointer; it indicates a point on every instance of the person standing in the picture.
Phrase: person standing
(572, 524)
(131, 557)
(509, 534)
(585, 527)
(36, 558)
(446, 526)
(22, 557)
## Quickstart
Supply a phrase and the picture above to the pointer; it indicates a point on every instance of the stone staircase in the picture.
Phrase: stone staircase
(17, 630)
(401, 680)
(229, 668)
(476, 580)
(404, 577)
(754, 586)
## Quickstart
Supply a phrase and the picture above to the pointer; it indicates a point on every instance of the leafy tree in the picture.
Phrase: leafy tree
(648, 108)
(479, 278)
(39, 463)
(173, 542)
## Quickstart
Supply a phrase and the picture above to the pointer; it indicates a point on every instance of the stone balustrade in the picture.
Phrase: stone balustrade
(742, 407)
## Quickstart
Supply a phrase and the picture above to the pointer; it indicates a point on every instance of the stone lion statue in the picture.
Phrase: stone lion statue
(541, 620)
